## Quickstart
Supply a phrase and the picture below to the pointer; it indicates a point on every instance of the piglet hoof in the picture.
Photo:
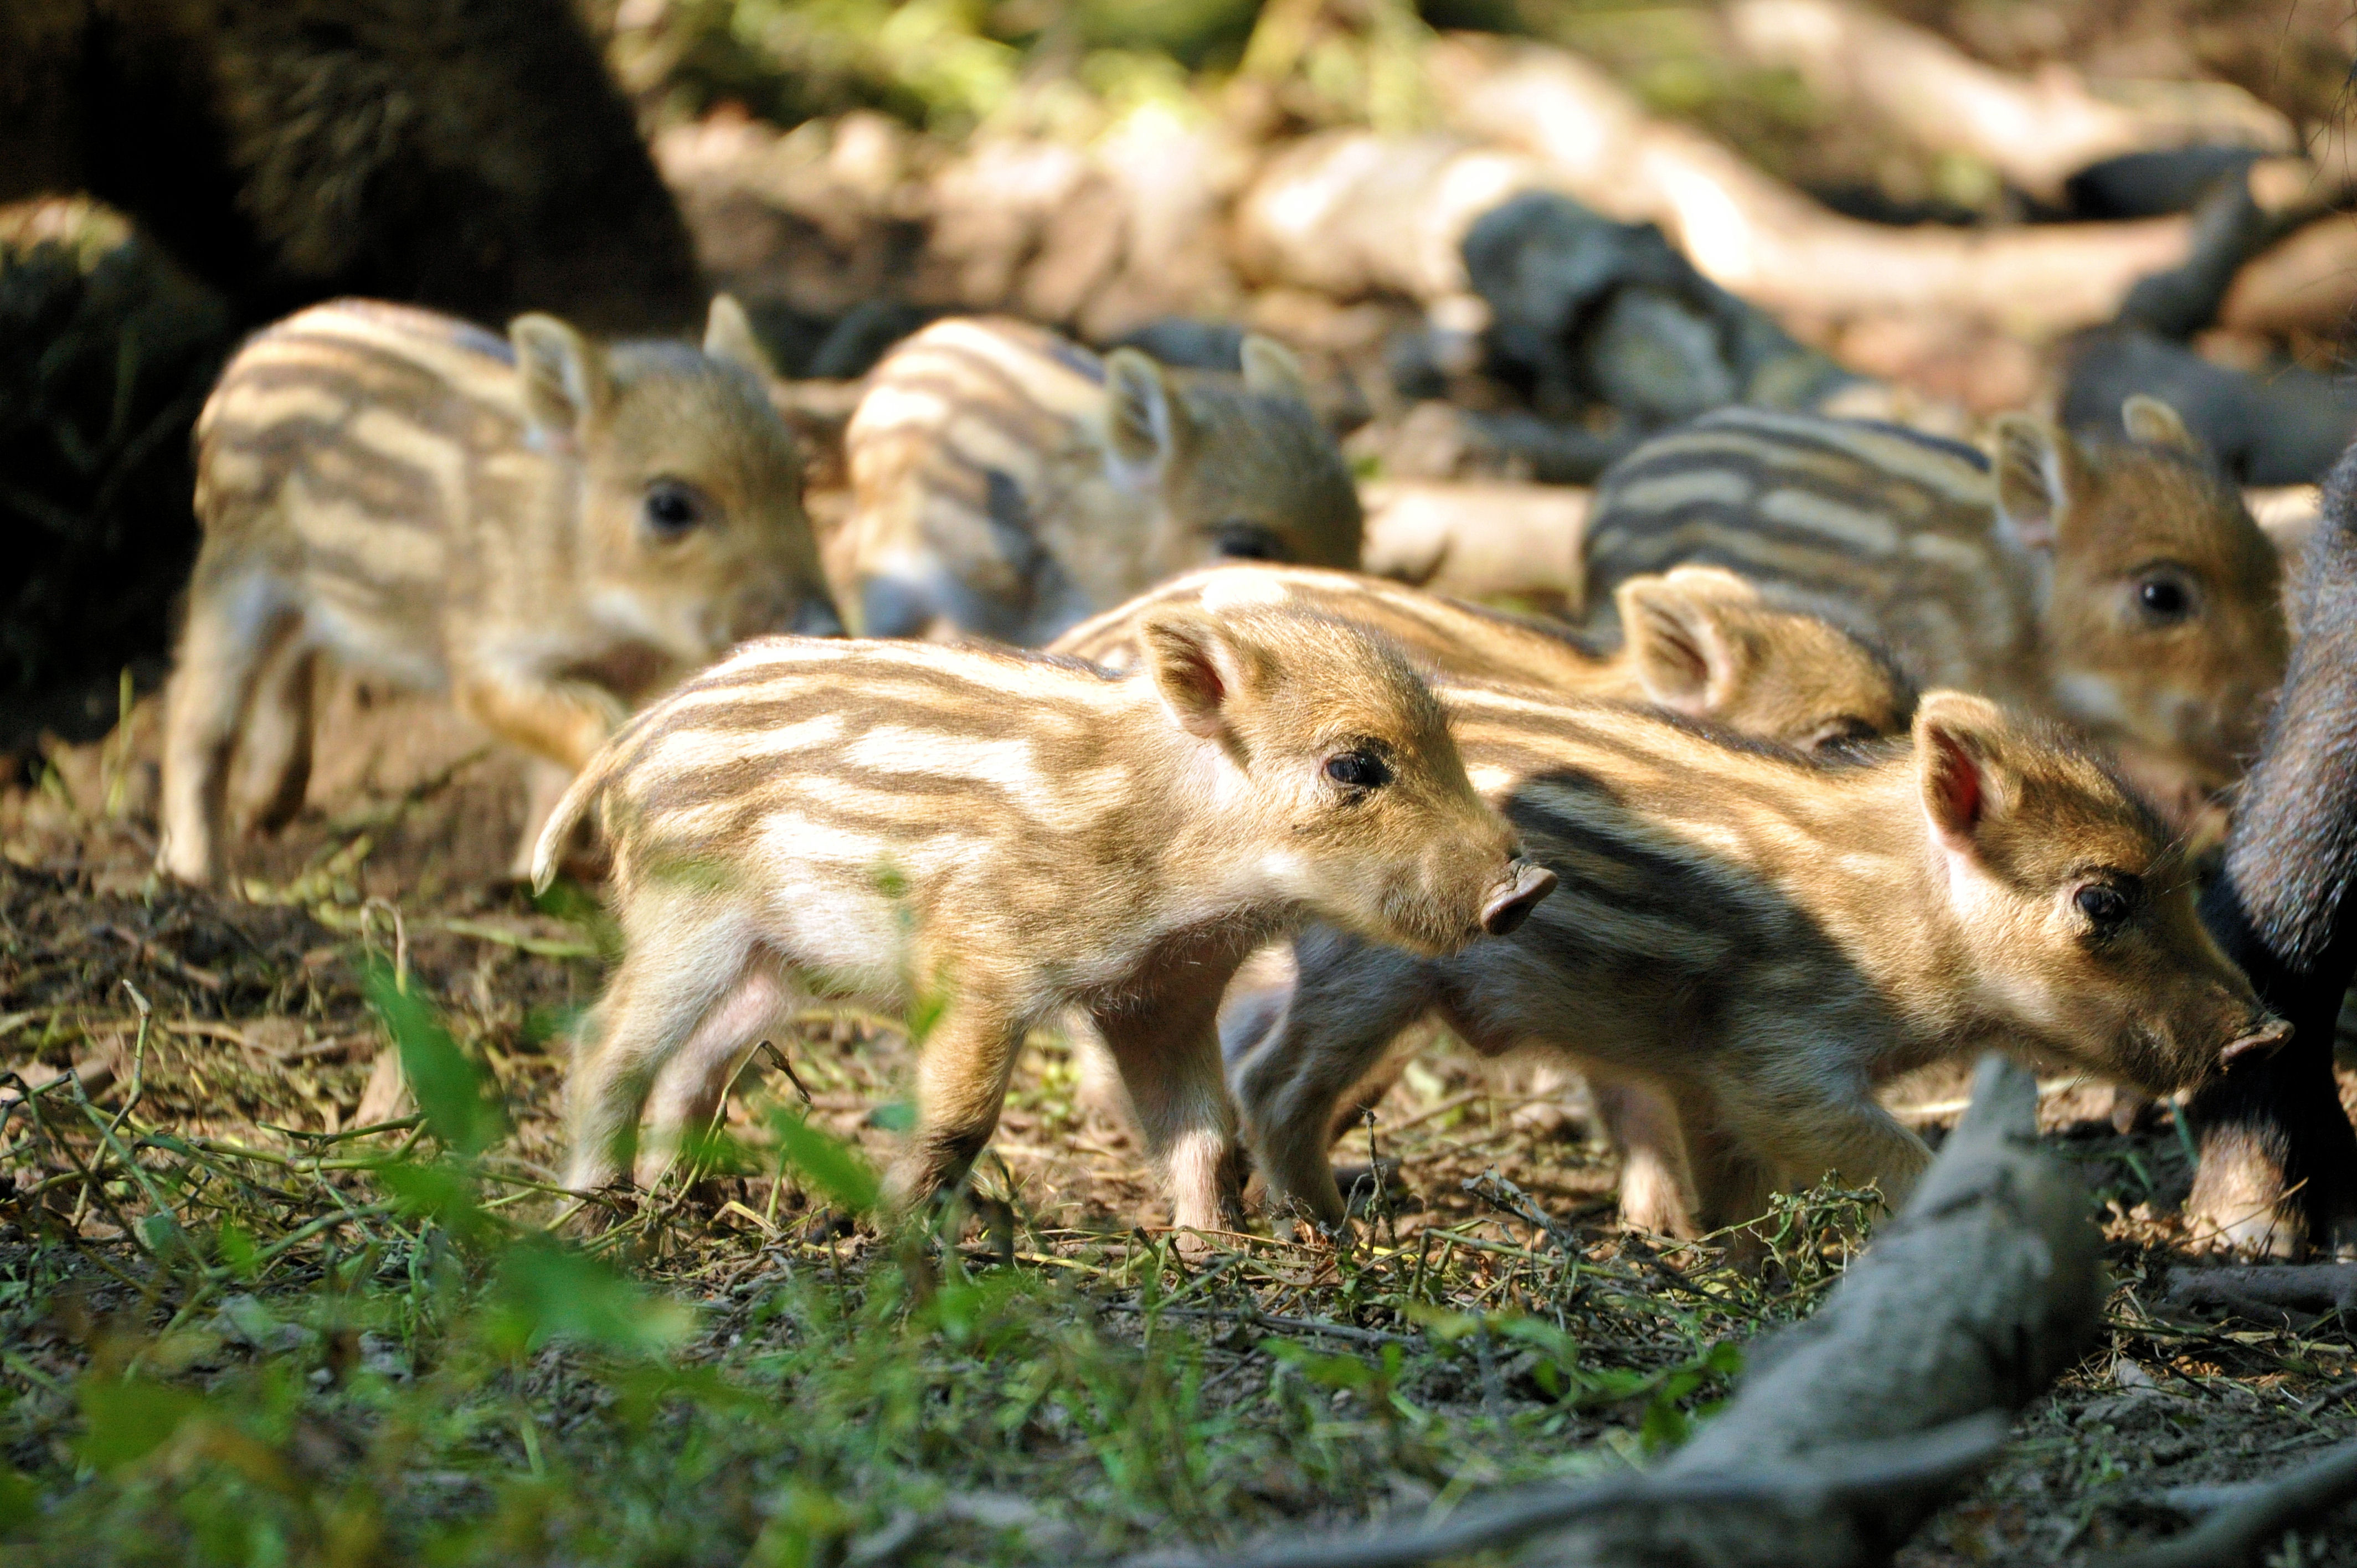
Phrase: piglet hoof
(2132, 1109)
(2342, 1241)
(595, 1209)
(1196, 1248)
(828, 1225)
(996, 1219)
(2240, 1207)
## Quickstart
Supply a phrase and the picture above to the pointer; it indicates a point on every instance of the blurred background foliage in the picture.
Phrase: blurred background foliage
(1072, 67)
(953, 66)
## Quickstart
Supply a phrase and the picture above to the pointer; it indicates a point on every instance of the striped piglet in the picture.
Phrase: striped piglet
(544, 527)
(1007, 835)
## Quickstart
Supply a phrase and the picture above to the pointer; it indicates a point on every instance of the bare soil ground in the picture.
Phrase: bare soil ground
(1062, 1384)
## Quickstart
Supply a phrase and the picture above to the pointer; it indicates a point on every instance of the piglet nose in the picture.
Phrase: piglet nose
(2261, 1041)
(1512, 903)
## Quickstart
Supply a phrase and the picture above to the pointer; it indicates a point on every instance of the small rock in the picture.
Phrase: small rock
(243, 1320)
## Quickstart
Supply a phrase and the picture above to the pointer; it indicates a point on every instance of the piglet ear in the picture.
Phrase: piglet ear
(1698, 581)
(728, 337)
(1146, 420)
(2034, 465)
(2154, 423)
(563, 377)
(1271, 369)
(1960, 765)
(1199, 668)
(1686, 657)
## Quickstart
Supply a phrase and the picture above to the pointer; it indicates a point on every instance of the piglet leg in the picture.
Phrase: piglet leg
(563, 721)
(1351, 1000)
(961, 1073)
(231, 628)
(688, 1088)
(274, 761)
(679, 970)
(1655, 1184)
(1169, 1058)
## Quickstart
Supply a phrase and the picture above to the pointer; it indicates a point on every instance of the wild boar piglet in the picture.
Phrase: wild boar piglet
(1010, 482)
(1009, 835)
(2120, 585)
(1761, 939)
(1696, 640)
(544, 527)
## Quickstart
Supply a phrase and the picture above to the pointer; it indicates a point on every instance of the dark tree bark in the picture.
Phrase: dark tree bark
(2278, 1155)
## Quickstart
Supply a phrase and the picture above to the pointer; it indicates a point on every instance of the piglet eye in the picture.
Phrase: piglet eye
(1843, 738)
(673, 506)
(1360, 770)
(2164, 598)
(1249, 541)
(2105, 907)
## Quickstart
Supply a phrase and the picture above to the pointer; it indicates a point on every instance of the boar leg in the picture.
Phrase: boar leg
(678, 971)
(212, 682)
(1168, 1053)
(1641, 1124)
(565, 721)
(1804, 1139)
(1351, 1001)
(961, 1073)
(273, 762)
(685, 1098)
(1731, 1184)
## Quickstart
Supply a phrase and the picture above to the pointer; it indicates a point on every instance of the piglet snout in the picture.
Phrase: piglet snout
(2261, 1041)
(1512, 903)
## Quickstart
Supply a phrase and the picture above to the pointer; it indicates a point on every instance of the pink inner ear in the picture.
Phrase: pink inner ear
(1960, 784)
(1679, 656)
(1209, 687)
(1194, 688)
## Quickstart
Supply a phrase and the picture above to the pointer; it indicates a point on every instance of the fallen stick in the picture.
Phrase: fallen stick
(2267, 1295)
(2237, 1532)
(95, 1075)
(1936, 1459)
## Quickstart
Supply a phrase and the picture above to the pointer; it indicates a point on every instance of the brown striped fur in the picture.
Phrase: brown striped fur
(1009, 483)
(1009, 835)
(541, 526)
(2120, 586)
(1696, 641)
(1762, 939)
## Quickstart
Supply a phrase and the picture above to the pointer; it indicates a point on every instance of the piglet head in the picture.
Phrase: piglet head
(1347, 791)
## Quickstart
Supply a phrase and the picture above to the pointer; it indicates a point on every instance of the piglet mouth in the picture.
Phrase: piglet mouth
(2263, 1041)
(1512, 903)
